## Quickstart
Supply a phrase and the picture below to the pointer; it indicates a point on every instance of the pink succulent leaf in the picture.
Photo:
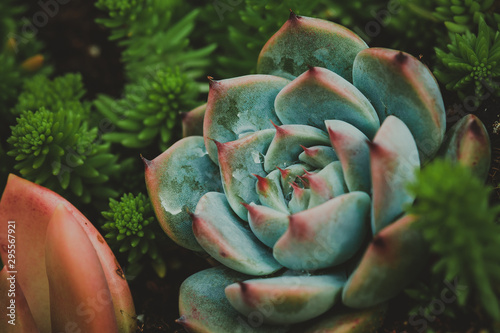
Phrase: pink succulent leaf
(304, 41)
(286, 145)
(326, 235)
(267, 224)
(192, 121)
(319, 95)
(318, 156)
(394, 160)
(240, 106)
(78, 290)
(225, 237)
(398, 84)
(468, 143)
(174, 196)
(292, 299)
(392, 260)
(354, 154)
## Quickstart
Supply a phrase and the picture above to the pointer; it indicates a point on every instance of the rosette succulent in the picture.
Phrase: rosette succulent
(298, 184)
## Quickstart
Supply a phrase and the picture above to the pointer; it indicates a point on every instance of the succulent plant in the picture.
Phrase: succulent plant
(66, 276)
(298, 183)
(471, 65)
(132, 229)
(460, 16)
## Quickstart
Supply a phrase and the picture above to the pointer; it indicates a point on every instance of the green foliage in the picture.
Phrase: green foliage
(248, 25)
(460, 16)
(132, 230)
(55, 145)
(154, 32)
(64, 92)
(149, 112)
(471, 63)
(459, 224)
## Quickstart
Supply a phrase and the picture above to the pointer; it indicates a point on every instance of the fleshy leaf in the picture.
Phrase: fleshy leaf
(301, 198)
(176, 180)
(239, 162)
(350, 321)
(192, 121)
(398, 84)
(266, 223)
(289, 175)
(468, 143)
(394, 158)
(32, 206)
(239, 106)
(204, 307)
(223, 235)
(319, 95)
(286, 145)
(22, 317)
(393, 259)
(304, 41)
(270, 192)
(318, 156)
(75, 275)
(288, 299)
(326, 184)
(326, 235)
(353, 152)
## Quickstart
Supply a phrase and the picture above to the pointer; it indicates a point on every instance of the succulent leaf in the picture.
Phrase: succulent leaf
(238, 107)
(318, 156)
(320, 94)
(239, 161)
(192, 121)
(325, 235)
(304, 41)
(174, 197)
(224, 236)
(394, 159)
(398, 84)
(267, 224)
(204, 307)
(290, 299)
(393, 259)
(351, 146)
(468, 143)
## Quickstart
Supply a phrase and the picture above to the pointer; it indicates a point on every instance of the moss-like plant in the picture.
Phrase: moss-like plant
(154, 32)
(471, 64)
(149, 112)
(460, 16)
(131, 229)
(58, 150)
(459, 224)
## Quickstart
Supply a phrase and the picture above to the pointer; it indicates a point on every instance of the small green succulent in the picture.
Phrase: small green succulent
(471, 64)
(153, 33)
(149, 113)
(58, 150)
(132, 229)
(460, 16)
(63, 92)
(459, 223)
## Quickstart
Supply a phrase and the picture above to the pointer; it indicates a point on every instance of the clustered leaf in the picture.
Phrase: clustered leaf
(149, 112)
(53, 143)
(459, 223)
(460, 16)
(132, 230)
(471, 63)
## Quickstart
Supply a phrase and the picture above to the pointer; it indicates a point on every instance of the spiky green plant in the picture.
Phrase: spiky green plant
(155, 32)
(132, 229)
(457, 220)
(149, 112)
(471, 65)
(59, 150)
(63, 92)
(460, 16)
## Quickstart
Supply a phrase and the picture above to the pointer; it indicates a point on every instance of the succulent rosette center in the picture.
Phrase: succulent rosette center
(298, 185)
